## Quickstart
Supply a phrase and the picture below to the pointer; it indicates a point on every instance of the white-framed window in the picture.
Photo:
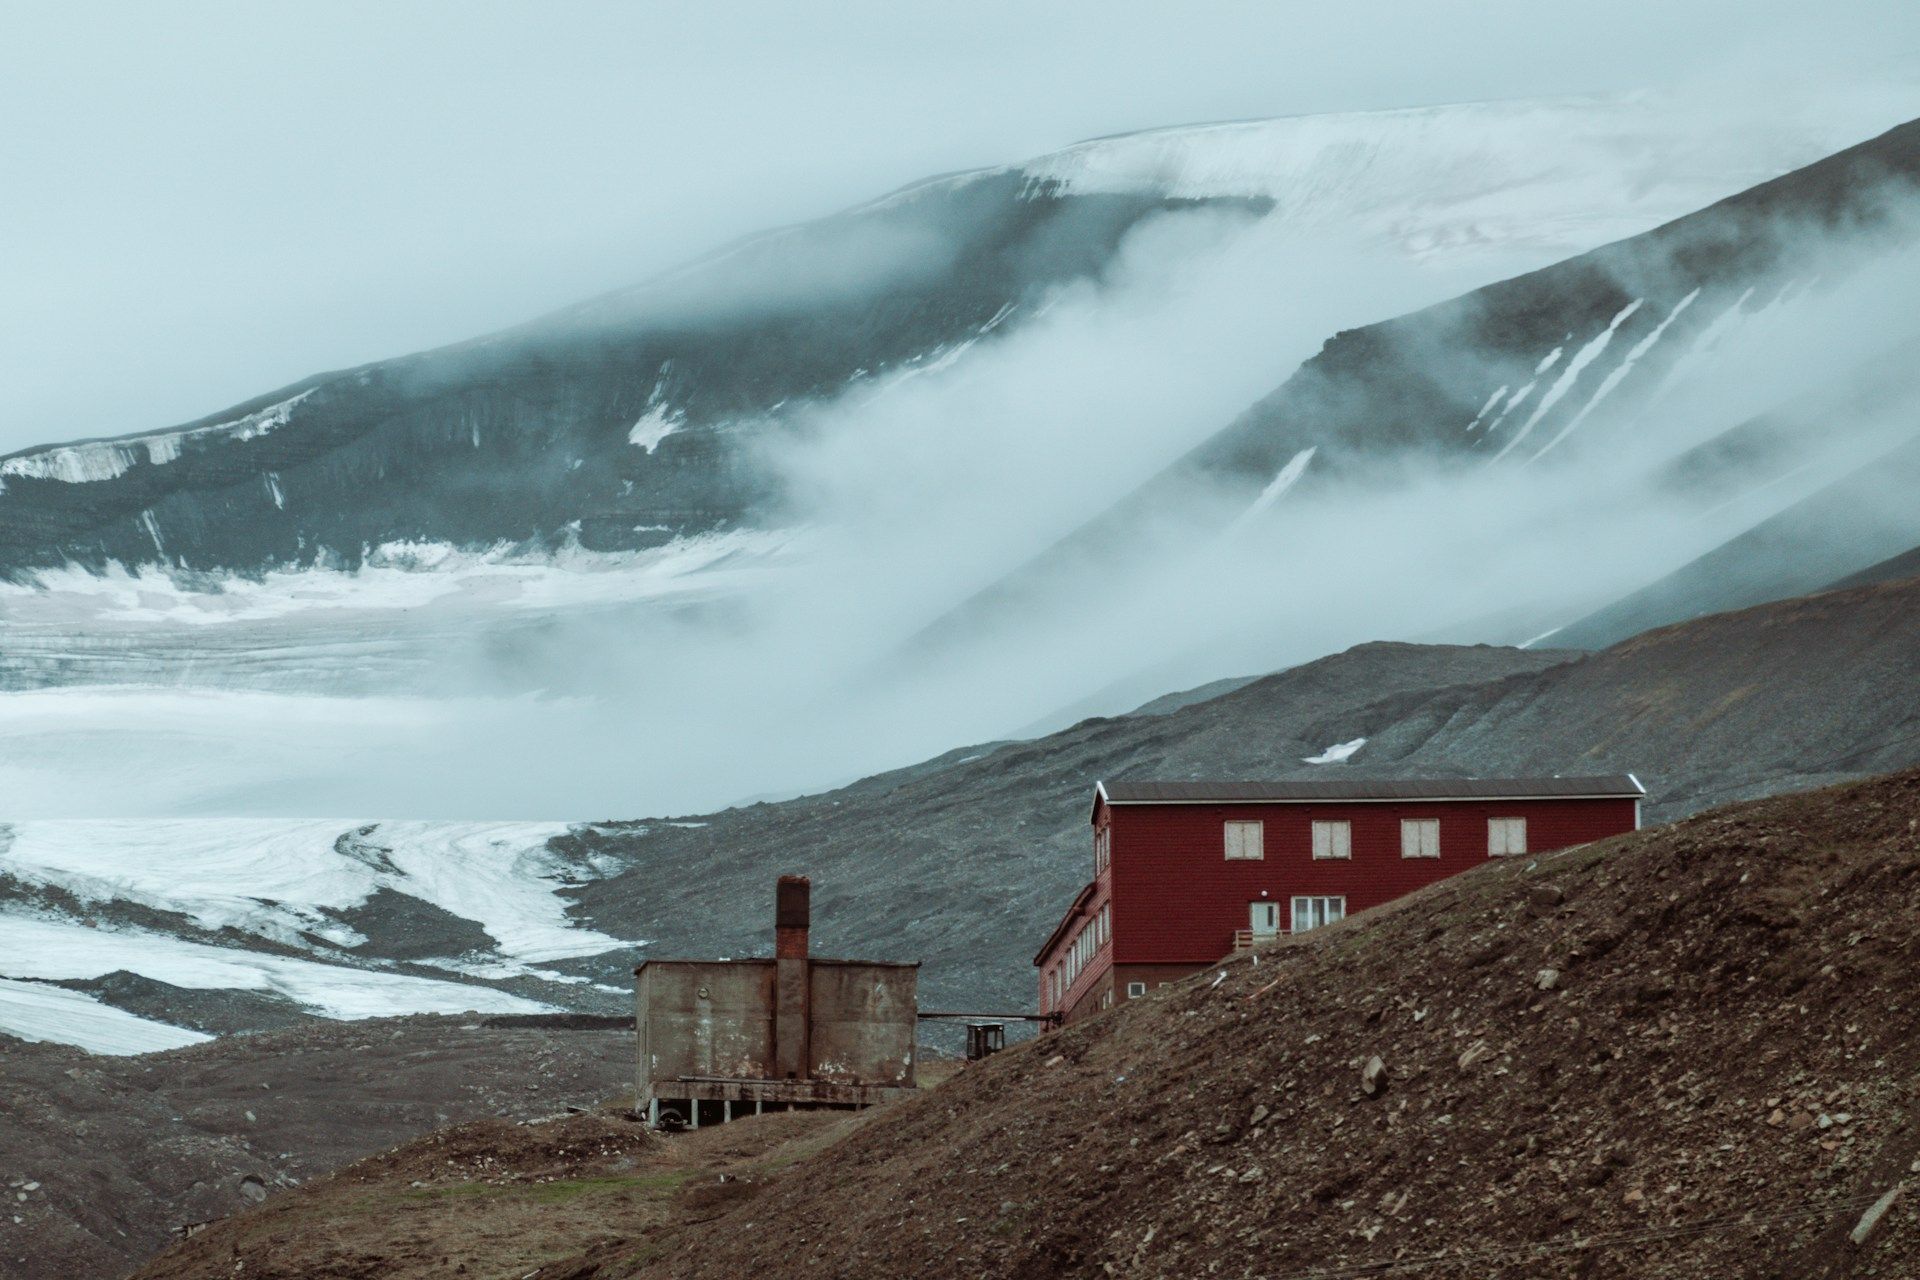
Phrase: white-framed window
(1333, 839)
(1420, 837)
(1135, 990)
(1264, 918)
(1244, 842)
(1311, 913)
(1506, 836)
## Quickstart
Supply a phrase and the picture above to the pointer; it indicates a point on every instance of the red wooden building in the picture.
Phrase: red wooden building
(1186, 872)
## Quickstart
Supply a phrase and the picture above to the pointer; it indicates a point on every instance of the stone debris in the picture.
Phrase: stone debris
(1373, 1077)
(1871, 1218)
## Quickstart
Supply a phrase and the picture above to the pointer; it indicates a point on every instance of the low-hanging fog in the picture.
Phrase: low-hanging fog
(913, 491)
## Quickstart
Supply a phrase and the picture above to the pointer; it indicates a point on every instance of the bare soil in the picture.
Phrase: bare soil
(103, 1158)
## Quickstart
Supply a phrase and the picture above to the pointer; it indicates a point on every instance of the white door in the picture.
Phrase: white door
(1265, 918)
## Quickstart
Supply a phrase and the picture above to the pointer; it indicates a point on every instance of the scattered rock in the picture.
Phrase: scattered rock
(1547, 979)
(252, 1189)
(1871, 1218)
(1373, 1077)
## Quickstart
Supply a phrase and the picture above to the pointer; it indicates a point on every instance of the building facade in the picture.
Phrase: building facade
(1186, 872)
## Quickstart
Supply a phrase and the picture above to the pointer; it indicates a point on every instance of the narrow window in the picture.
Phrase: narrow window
(1506, 836)
(1333, 839)
(1420, 838)
(1312, 913)
(1135, 990)
(1244, 841)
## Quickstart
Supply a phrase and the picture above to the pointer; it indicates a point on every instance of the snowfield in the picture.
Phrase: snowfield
(1467, 180)
(397, 577)
(275, 880)
(271, 877)
(35, 1011)
(46, 948)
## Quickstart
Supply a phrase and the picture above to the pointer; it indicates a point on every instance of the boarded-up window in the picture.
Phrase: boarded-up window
(1243, 841)
(1333, 839)
(1506, 836)
(1420, 838)
(1311, 913)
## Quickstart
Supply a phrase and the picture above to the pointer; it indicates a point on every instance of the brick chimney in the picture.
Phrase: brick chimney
(792, 915)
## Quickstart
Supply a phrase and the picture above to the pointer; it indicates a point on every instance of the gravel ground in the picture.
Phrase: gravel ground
(102, 1157)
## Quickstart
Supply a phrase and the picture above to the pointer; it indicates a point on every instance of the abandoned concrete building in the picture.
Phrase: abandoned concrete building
(721, 1038)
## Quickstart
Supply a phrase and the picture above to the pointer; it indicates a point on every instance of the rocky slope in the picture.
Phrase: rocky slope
(105, 1157)
(1682, 1052)
(1845, 529)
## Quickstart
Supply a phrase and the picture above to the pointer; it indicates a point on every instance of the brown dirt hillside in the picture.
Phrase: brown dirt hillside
(104, 1157)
(1691, 1052)
(495, 1200)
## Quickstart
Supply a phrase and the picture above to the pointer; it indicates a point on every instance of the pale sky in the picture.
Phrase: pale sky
(202, 201)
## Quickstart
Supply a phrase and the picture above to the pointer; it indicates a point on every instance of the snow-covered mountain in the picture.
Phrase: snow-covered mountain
(624, 423)
(661, 550)
(1548, 444)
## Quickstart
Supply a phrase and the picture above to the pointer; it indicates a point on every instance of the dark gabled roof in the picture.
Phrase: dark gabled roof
(1080, 901)
(1615, 786)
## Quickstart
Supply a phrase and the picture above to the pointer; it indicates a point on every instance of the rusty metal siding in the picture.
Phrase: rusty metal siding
(1177, 899)
(863, 1021)
(705, 1019)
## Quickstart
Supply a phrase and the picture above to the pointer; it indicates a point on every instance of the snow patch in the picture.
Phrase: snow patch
(1618, 374)
(1337, 753)
(36, 1012)
(1288, 476)
(48, 948)
(276, 878)
(1564, 383)
(107, 459)
(1498, 392)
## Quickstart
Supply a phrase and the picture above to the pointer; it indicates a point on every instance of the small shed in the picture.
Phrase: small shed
(717, 1037)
